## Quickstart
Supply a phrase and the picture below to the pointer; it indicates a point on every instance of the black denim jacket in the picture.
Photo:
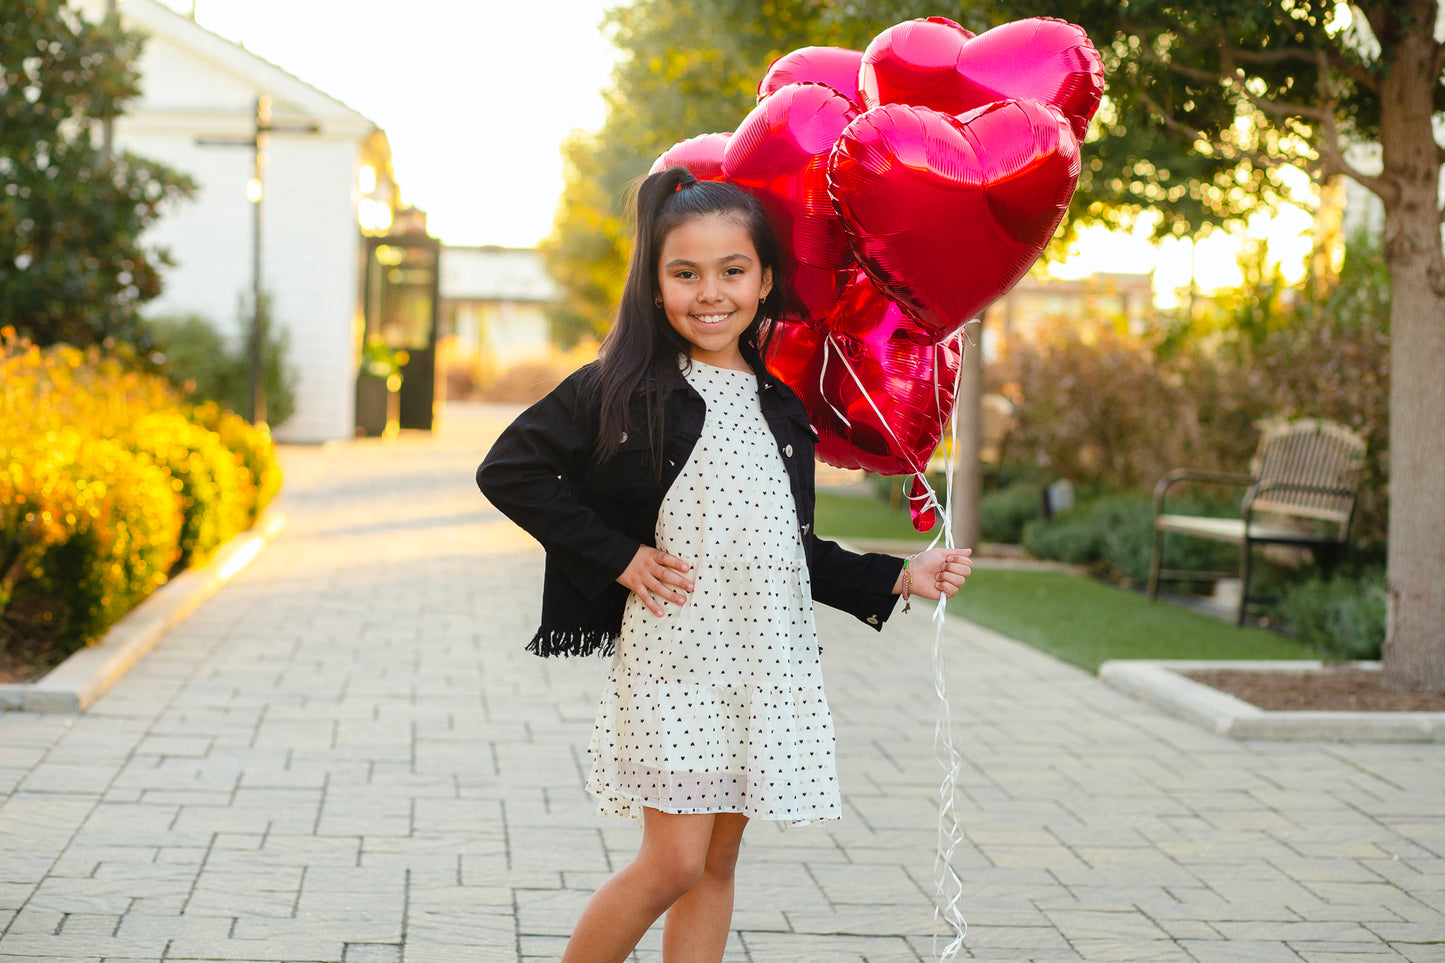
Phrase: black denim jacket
(591, 517)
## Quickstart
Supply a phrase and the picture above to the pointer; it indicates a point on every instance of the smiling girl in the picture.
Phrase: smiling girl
(671, 484)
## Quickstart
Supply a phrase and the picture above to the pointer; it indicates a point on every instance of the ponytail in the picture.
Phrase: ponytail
(640, 354)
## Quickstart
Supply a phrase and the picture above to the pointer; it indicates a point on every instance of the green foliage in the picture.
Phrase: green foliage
(110, 483)
(206, 366)
(1103, 408)
(1002, 513)
(1115, 411)
(1343, 617)
(72, 265)
(1113, 535)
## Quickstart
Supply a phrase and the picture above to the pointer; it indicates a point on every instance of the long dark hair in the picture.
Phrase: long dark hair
(640, 353)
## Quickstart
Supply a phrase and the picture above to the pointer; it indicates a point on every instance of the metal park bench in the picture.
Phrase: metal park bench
(1300, 491)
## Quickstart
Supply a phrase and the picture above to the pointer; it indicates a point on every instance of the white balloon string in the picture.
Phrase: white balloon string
(948, 887)
(823, 374)
(828, 340)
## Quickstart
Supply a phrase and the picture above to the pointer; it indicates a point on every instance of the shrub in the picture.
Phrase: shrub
(88, 530)
(254, 446)
(205, 366)
(1343, 617)
(1113, 535)
(1003, 513)
(215, 490)
(107, 485)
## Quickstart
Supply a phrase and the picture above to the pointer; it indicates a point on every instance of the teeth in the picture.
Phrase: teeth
(711, 318)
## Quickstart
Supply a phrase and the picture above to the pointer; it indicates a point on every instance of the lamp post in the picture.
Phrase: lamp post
(256, 192)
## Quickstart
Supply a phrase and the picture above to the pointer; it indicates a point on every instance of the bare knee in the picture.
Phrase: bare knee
(667, 875)
(722, 859)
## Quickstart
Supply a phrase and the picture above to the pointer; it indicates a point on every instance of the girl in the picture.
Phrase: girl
(671, 484)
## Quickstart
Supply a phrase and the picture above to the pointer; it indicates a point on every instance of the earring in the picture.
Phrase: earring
(657, 302)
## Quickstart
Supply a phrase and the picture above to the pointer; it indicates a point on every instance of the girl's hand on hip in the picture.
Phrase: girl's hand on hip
(937, 572)
(653, 574)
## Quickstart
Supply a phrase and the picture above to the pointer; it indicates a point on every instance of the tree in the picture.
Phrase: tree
(1248, 87)
(72, 264)
(1206, 103)
(689, 67)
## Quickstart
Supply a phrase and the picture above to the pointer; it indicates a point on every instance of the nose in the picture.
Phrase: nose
(709, 290)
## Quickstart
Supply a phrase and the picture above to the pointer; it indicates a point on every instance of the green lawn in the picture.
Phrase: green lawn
(1087, 622)
(1076, 618)
(862, 516)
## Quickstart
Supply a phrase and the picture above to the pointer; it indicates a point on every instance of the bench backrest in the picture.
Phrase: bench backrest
(1319, 454)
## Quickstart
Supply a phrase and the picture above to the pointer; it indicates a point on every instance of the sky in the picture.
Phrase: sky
(476, 96)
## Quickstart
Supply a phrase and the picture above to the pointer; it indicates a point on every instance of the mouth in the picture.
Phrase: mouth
(711, 319)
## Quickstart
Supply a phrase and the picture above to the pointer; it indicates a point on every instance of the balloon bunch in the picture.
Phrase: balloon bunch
(911, 185)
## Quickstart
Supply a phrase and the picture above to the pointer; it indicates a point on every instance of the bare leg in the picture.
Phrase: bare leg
(697, 924)
(671, 859)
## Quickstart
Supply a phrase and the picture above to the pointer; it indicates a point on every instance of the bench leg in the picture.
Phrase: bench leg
(1156, 562)
(1246, 559)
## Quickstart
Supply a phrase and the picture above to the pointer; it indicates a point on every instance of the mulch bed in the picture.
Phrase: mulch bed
(1332, 688)
(27, 661)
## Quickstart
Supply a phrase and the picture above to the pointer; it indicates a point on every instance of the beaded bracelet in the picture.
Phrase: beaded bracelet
(907, 581)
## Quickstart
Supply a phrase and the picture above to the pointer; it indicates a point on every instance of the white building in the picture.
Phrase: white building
(493, 302)
(197, 86)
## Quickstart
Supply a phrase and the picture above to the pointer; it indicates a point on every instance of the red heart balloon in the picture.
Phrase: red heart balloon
(1037, 59)
(879, 399)
(915, 62)
(779, 153)
(937, 63)
(947, 213)
(701, 155)
(835, 67)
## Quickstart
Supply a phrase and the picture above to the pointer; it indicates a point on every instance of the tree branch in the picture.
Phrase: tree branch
(1234, 152)
(1354, 71)
(1332, 158)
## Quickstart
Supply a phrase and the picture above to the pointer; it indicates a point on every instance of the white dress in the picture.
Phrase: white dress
(718, 705)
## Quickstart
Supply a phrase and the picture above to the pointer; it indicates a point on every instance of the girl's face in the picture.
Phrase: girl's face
(711, 281)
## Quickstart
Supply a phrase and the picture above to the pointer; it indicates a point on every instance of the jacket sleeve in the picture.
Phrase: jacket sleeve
(861, 585)
(533, 473)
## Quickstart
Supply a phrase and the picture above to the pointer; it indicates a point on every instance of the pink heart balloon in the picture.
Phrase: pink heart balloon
(880, 399)
(915, 62)
(701, 155)
(947, 213)
(834, 67)
(936, 63)
(779, 153)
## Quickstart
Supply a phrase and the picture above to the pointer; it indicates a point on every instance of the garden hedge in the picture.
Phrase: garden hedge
(110, 483)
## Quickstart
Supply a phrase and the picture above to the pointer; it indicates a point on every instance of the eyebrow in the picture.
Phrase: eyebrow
(683, 262)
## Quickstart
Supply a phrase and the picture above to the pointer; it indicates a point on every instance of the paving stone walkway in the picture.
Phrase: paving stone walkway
(346, 756)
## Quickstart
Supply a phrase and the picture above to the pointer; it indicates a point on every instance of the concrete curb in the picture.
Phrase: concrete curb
(81, 679)
(1162, 684)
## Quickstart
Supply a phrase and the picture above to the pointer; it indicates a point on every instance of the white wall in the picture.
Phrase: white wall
(311, 243)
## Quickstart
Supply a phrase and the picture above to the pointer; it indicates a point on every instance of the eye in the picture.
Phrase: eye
(685, 275)
(734, 271)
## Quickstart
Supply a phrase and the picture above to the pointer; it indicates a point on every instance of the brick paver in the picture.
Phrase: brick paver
(346, 756)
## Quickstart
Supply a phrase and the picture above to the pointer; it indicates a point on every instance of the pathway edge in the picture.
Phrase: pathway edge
(1161, 683)
(77, 682)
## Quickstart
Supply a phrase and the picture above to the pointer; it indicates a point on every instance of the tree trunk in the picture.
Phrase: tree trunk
(1414, 656)
(968, 471)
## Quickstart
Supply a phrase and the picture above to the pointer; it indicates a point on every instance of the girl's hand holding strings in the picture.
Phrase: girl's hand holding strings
(653, 574)
(938, 571)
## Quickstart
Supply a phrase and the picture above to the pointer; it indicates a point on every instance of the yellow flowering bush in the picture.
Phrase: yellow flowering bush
(109, 483)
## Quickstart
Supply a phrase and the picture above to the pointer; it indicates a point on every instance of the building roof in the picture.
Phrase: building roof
(493, 273)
